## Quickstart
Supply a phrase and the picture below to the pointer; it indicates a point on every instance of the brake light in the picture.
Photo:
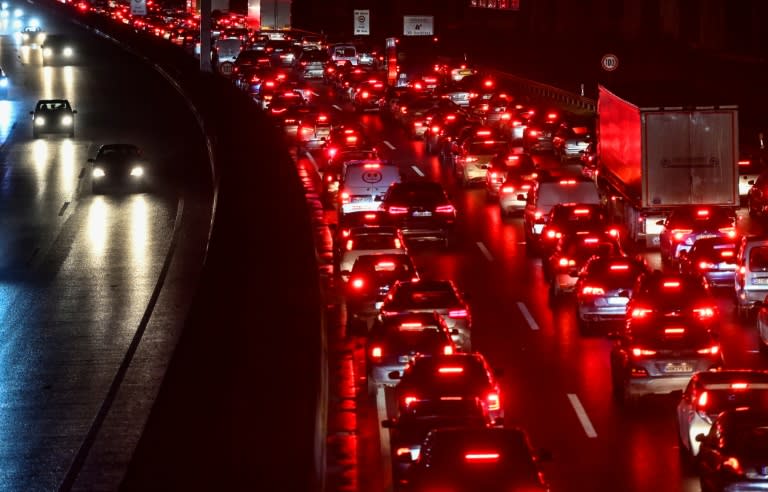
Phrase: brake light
(678, 234)
(374, 165)
(641, 352)
(402, 451)
(551, 116)
(358, 283)
(701, 402)
(565, 262)
(533, 133)
(394, 210)
(445, 209)
(332, 151)
(494, 402)
(705, 312)
(727, 254)
(734, 465)
(457, 313)
(322, 118)
(448, 350)
(470, 159)
(364, 95)
(674, 331)
(435, 129)
(713, 350)
(369, 216)
(450, 370)
(702, 212)
(705, 265)
(488, 83)
(591, 290)
(590, 240)
(351, 138)
(344, 197)
(411, 326)
(398, 244)
(345, 232)
(269, 83)
(450, 117)
(738, 386)
(350, 244)
(640, 312)
(552, 234)
(507, 189)
(671, 284)
(744, 162)
(619, 268)
(376, 353)
(481, 457)
(483, 133)
(581, 211)
(567, 182)
(728, 231)
(613, 232)
(409, 399)
(385, 265)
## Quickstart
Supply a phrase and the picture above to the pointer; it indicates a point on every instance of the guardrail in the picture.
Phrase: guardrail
(543, 92)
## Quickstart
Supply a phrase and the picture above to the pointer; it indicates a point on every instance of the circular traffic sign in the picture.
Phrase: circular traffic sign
(226, 68)
(609, 62)
(361, 19)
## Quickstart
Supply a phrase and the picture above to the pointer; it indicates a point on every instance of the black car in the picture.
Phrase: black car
(120, 167)
(422, 211)
(53, 116)
(58, 49)
(734, 454)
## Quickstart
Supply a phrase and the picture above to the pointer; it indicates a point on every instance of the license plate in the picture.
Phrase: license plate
(425, 213)
(678, 367)
(357, 199)
(618, 301)
(705, 236)
(760, 281)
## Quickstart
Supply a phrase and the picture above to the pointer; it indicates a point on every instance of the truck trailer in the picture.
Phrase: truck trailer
(652, 159)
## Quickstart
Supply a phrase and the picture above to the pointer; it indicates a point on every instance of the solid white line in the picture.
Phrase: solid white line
(391, 147)
(484, 250)
(582, 415)
(313, 161)
(336, 107)
(527, 315)
(417, 170)
(381, 414)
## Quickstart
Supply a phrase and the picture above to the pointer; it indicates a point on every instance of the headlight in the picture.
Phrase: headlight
(25, 36)
(137, 172)
(98, 172)
(68, 51)
(66, 120)
(18, 13)
(39, 121)
(47, 52)
(3, 82)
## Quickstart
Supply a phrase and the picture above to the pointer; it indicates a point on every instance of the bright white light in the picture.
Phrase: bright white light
(67, 51)
(33, 22)
(18, 13)
(98, 172)
(137, 171)
(3, 82)
(47, 52)
(66, 120)
(39, 121)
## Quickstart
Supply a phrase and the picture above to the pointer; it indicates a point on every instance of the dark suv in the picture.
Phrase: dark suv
(422, 210)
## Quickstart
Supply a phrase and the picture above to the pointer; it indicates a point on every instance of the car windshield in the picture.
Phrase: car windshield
(385, 269)
(421, 298)
(702, 218)
(424, 341)
(52, 105)
(381, 240)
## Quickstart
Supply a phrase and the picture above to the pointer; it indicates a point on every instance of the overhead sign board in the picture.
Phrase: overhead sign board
(138, 7)
(362, 22)
(418, 25)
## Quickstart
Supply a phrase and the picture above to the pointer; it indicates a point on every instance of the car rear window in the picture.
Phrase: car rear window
(374, 241)
(550, 194)
(758, 259)
(721, 397)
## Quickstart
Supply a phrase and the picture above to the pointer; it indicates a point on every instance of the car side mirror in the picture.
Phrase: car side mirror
(388, 423)
(700, 437)
(751, 182)
(660, 222)
(544, 455)
(91, 159)
(454, 331)
(520, 197)
(394, 375)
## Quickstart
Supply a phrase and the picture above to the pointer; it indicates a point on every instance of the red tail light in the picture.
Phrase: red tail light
(398, 244)
(481, 457)
(457, 313)
(702, 401)
(448, 350)
(344, 197)
(728, 231)
(435, 129)
(507, 189)
(445, 209)
(674, 331)
(641, 352)
(365, 95)
(641, 312)
(671, 284)
(739, 386)
(376, 353)
(679, 234)
(357, 283)
(533, 133)
(591, 290)
(704, 312)
(619, 268)
(350, 244)
(450, 370)
(734, 465)
(494, 402)
(394, 210)
(705, 265)
(713, 350)
(565, 262)
(409, 399)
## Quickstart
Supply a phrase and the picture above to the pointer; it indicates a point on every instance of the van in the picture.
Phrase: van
(547, 193)
(363, 184)
(341, 54)
(751, 281)
(226, 50)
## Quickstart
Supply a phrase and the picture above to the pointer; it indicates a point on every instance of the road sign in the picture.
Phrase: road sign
(138, 7)
(610, 62)
(362, 22)
(418, 25)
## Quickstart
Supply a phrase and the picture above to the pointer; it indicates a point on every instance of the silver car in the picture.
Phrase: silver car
(751, 283)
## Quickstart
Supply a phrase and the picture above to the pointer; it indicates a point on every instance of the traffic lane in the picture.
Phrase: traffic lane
(78, 271)
(505, 335)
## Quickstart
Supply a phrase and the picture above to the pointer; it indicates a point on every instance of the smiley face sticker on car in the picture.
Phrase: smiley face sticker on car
(372, 177)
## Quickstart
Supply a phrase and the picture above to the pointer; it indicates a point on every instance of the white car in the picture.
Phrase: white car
(369, 241)
(711, 392)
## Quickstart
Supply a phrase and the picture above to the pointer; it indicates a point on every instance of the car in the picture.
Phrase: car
(711, 392)
(289, 120)
(669, 335)
(688, 223)
(32, 36)
(732, 455)
(751, 280)
(539, 132)
(603, 290)
(368, 95)
(757, 196)
(474, 158)
(443, 126)
(750, 169)
(459, 375)
(712, 257)
(407, 432)
(311, 64)
(466, 459)
(312, 133)
(353, 220)
(513, 197)
(441, 296)
(331, 169)
(370, 280)
(364, 184)
(395, 341)
(369, 241)
(58, 49)
(548, 191)
(119, 166)
(345, 137)
(281, 53)
(422, 211)
(520, 166)
(571, 140)
(53, 116)
(569, 256)
(565, 219)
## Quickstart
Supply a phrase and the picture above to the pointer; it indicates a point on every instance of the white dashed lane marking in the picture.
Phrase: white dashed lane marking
(417, 170)
(589, 429)
(527, 315)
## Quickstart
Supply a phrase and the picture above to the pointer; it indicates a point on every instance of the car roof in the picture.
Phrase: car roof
(729, 375)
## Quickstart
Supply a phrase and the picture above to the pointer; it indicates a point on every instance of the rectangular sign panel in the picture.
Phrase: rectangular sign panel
(418, 25)
(362, 25)
(138, 7)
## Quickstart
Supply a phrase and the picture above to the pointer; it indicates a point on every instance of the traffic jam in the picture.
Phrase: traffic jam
(530, 307)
